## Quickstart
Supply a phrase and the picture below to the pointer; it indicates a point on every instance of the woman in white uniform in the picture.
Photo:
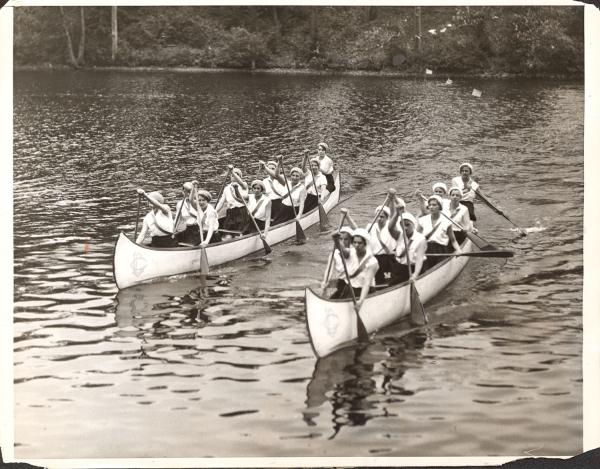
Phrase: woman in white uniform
(157, 228)
(468, 186)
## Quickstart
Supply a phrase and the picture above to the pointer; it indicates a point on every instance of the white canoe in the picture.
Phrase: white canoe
(332, 323)
(134, 263)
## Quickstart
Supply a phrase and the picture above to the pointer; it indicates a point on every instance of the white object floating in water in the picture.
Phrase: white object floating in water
(428, 72)
(476, 93)
(448, 81)
(443, 30)
(432, 31)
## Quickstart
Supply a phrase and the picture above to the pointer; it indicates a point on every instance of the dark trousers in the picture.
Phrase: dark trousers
(330, 182)
(471, 208)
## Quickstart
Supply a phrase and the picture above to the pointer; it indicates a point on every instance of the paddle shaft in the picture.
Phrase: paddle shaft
(177, 217)
(224, 184)
(299, 231)
(266, 245)
(412, 283)
(497, 210)
(378, 213)
(330, 262)
(137, 218)
(498, 253)
(204, 268)
(360, 327)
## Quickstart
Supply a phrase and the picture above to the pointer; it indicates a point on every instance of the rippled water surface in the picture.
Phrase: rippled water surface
(180, 369)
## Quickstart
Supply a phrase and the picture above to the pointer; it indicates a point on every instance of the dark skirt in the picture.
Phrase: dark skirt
(286, 213)
(215, 238)
(250, 228)
(434, 248)
(165, 241)
(311, 202)
(343, 292)
(400, 273)
(276, 205)
(236, 219)
(386, 265)
(191, 235)
(330, 182)
(471, 208)
(460, 237)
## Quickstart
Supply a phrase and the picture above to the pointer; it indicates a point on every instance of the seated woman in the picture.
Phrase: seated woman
(312, 176)
(468, 186)
(382, 244)
(459, 213)
(157, 228)
(274, 185)
(361, 275)
(209, 220)
(259, 205)
(297, 195)
(438, 188)
(236, 218)
(338, 276)
(326, 165)
(186, 220)
(438, 232)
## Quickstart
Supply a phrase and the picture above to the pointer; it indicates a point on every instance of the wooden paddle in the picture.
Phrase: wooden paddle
(417, 311)
(363, 336)
(229, 168)
(330, 261)
(177, 217)
(378, 213)
(300, 236)
(203, 258)
(323, 220)
(137, 218)
(503, 253)
(485, 200)
(262, 237)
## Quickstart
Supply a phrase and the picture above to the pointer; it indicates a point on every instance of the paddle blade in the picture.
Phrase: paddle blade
(300, 236)
(323, 220)
(480, 242)
(502, 253)
(417, 312)
(203, 262)
(361, 330)
(266, 246)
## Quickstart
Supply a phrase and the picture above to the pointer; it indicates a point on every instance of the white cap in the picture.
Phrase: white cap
(385, 210)
(467, 165)
(409, 217)
(364, 234)
(442, 185)
(437, 198)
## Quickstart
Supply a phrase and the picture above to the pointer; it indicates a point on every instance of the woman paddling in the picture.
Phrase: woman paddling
(468, 187)
(362, 276)
(417, 247)
(338, 275)
(274, 185)
(311, 177)
(186, 221)
(157, 228)
(382, 243)
(209, 219)
(259, 205)
(326, 165)
(437, 229)
(438, 188)
(460, 214)
(236, 217)
(298, 196)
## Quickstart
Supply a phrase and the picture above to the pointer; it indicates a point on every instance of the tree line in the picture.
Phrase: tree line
(526, 40)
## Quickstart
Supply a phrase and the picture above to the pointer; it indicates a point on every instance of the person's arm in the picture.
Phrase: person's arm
(211, 227)
(353, 224)
(240, 181)
(164, 208)
(267, 218)
(142, 234)
(301, 204)
(455, 245)
(420, 250)
(395, 211)
(304, 160)
(221, 201)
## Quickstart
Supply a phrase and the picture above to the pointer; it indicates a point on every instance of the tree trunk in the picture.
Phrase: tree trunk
(313, 30)
(371, 13)
(276, 21)
(81, 49)
(71, 54)
(419, 36)
(114, 33)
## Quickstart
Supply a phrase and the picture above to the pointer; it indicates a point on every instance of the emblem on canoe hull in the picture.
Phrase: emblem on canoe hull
(138, 264)
(331, 322)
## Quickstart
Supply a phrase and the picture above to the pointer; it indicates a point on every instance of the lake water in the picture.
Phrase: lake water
(172, 370)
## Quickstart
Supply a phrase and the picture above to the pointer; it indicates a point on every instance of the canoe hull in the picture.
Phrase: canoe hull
(134, 263)
(332, 324)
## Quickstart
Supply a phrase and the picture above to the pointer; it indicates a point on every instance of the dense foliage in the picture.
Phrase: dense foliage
(517, 40)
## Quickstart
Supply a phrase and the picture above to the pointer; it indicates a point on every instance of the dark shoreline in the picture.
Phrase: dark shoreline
(302, 71)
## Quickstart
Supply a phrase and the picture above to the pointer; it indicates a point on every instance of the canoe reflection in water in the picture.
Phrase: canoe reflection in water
(357, 382)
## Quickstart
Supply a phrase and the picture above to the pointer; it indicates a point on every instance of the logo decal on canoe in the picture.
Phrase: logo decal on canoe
(138, 264)
(331, 322)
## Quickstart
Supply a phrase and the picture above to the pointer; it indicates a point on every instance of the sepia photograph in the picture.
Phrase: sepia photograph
(296, 231)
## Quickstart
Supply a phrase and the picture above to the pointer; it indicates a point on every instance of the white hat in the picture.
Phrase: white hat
(437, 198)
(400, 202)
(442, 185)
(157, 196)
(409, 217)
(364, 234)
(385, 210)
(455, 188)
(324, 145)
(237, 171)
(295, 169)
(271, 163)
(467, 165)
(205, 194)
(258, 182)
(346, 229)
(188, 186)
